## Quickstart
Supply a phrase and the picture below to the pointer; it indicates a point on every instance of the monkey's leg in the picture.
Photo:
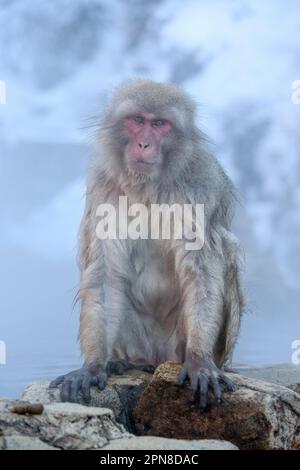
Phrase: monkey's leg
(120, 366)
(203, 322)
(94, 348)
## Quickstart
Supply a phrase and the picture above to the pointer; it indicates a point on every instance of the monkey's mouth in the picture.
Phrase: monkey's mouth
(140, 166)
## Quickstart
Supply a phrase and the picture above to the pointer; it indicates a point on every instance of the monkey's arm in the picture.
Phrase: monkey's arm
(92, 331)
(93, 337)
(204, 321)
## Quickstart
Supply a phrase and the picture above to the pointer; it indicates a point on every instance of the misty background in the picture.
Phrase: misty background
(60, 61)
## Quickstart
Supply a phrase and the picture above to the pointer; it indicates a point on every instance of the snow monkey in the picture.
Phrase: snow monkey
(145, 301)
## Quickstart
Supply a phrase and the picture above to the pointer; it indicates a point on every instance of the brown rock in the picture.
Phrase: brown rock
(23, 408)
(259, 415)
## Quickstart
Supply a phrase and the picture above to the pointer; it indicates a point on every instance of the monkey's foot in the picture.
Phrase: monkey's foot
(80, 381)
(120, 366)
(204, 377)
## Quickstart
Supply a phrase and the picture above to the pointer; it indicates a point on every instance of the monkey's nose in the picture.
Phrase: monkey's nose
(143, 145)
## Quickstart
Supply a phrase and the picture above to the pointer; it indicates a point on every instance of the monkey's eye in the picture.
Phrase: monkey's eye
(138, 119)
(159, 122)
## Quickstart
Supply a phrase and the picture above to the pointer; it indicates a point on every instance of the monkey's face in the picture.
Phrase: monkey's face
(147, 138)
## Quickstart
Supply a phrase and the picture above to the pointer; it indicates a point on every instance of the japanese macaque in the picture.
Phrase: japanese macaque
(146, 301)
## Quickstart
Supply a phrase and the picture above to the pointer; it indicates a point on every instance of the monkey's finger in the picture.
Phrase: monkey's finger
(94, 380)
(182, 377)
(59, 380)
(116, 367)
(217, 391)
(102, 380)
(74, 389)
(110, 367)
(119, 368)
(86, 388)
(65, 391)
(147, 368)
(230, 385)
(144, 368)
(194, 379)
(203, 383)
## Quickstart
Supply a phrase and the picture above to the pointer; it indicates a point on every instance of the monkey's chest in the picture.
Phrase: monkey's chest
(154, 289)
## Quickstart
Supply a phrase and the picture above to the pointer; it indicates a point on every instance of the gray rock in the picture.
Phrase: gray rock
(161, 443)
(39, 392)
(295, 387)
(63, 425)
(23, 443)
(282, 374)
(120, 395)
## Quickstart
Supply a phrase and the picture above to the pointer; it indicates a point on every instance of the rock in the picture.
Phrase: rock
(120, 395)
(295, 387)
(26, 408)
(282, 374)
(63, 425)
(161, 443)
(23, 443)
(39, 392)
(259, 415)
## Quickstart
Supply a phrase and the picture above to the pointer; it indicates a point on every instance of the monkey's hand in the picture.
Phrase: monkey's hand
(204, 375)
(79, 382)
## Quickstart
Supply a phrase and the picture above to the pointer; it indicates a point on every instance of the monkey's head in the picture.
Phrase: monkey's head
(149, 130)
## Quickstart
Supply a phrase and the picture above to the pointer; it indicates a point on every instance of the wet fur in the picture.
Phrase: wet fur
(151, 300)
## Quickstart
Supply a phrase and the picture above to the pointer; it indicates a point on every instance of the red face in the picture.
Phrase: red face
(146, 135)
